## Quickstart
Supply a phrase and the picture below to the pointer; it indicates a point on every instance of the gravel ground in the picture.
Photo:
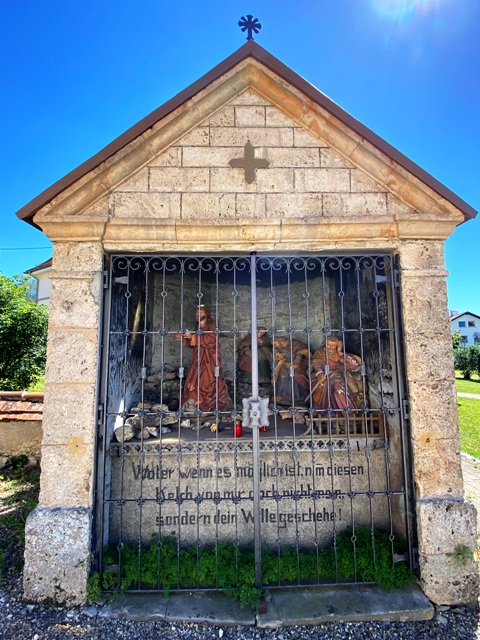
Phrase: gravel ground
(34, 622)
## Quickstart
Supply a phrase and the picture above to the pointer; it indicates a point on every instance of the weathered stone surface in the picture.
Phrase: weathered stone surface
(198, 137)
(178, 179)
(329, 158)
(76, 303)
(437, 467)
(258, 136)
(172, 157)
(148, 205)
(210, 156)
(303, 138)
(295, 205)
(276, 118)
(429, 354)
(296, 157)
(138, 182)
(358, 204)
(433, 408)
(424, 298)
(69, 413)
(208, 205)
(444, 526)
(422, 254)
(71, 355)
(449, 579)
(249, 97)
(77, 256)
(250, 116)
(322, 180)
(57, 555)
(67, 474)
(361, 182)
(223, 118)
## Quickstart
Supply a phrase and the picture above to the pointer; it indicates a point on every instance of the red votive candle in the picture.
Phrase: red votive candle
(238, 429)
(262, 428)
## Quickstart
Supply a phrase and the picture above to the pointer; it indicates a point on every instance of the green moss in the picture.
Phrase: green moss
(365, 556)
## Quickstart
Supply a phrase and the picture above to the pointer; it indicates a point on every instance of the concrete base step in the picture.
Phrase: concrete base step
(284, 607)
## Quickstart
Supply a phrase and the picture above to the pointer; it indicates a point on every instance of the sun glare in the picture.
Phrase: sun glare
(404, 9)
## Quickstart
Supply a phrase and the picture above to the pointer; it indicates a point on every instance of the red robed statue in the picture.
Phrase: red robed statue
(203, 389)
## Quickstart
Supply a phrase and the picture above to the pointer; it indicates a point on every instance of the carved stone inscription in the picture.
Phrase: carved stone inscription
(200, 500)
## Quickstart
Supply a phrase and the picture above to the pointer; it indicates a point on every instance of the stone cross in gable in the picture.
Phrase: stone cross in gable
(249, 162)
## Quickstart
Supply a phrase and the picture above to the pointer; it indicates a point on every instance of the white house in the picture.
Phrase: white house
(469, 326)
(42, 275)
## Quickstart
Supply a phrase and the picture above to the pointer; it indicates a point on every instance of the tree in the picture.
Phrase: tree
(467, 360)
(23, 334)
(456, 339)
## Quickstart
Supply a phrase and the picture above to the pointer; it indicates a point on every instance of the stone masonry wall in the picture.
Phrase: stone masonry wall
(305, 178)
(58, 542)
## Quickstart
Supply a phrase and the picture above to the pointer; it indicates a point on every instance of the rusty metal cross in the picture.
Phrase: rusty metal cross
(249, 162)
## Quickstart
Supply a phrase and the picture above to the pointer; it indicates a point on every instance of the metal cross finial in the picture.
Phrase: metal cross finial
(249, 24)
(249, 162)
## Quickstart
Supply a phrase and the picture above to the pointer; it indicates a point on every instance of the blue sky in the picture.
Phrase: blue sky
(76, 74)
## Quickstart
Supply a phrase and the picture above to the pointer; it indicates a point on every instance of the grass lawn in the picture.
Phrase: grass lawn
(467, 386)
(469, 413)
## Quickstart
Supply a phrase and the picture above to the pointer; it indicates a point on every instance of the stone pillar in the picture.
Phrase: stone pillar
(58, 531)
(446, 521)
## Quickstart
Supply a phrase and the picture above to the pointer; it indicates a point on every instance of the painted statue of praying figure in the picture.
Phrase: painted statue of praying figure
(291, 370)
(244, 357)
(339, 385)
(203, 389)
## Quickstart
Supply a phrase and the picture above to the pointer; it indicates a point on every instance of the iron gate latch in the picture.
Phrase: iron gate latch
(255, 412)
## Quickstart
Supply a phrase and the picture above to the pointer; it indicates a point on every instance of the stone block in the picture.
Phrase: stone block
(322, 180)
(67, 474)
(446, 525)
(422, 254)
(362, 183)
(211, 156)
(198, 137)
(249, 97)
(138, 182)
(258, 136)
(295, 205)
(354, 204)
(232, 179)
(78, 257)
(250, 116)
(208, 206)
(180, 179)
(301, 157)
(396, 207)
(146, 205)
(330, 158)
(75, 302)
(57, 555)
(423, 299)
(251, 205)
(276, 118)
(429, 355)
(223, 118)
(274, 180)
(437, 468)
(172, 157)
(71, 355)
(449, 579)
(303, 138)
(69, 412)
(433, 408)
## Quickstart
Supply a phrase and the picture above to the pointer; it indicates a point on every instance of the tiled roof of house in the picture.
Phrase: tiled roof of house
(20, 406)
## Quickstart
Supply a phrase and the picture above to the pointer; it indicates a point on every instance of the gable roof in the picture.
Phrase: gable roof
(249, 50)
(464, 313)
